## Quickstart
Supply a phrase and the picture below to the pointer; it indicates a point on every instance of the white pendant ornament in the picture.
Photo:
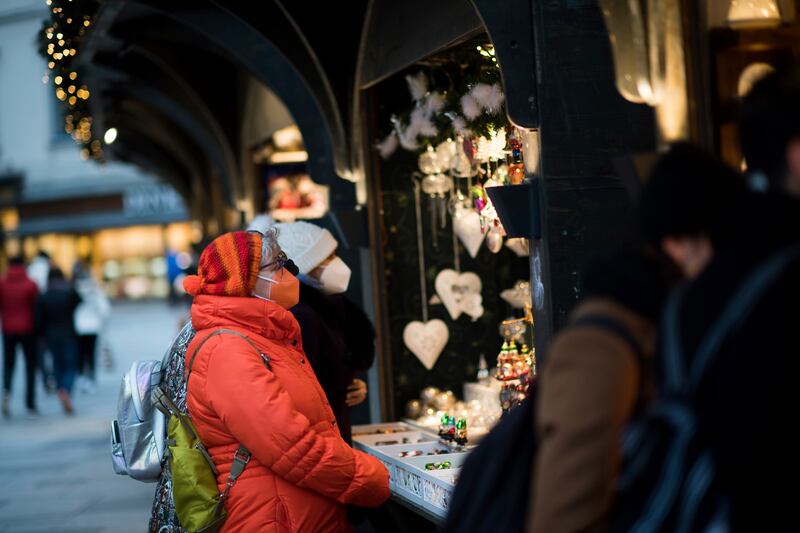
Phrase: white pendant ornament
(467, 225)
(460, 293)
(426, 340)
(519, 295)
(519, 246)
(494, 240)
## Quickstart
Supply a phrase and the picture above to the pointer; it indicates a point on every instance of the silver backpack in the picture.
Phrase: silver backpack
(138, 435)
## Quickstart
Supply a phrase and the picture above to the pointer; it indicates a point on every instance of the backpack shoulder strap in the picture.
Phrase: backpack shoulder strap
(222, 331)
(744, 299)
(242, 455)
(735, 311)
(614, 326)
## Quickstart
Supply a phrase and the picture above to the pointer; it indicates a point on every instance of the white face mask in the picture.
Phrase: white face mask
(335, 277)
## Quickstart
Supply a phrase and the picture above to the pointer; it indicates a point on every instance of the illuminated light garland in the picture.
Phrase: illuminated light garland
(59, 41)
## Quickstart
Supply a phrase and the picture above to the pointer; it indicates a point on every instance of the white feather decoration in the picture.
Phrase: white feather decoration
(460, 126)
(408, 137)
(481, 93)
(388, 146)
(470, 107)
(421, 122)
(496, 98)
(417, 85)
(434, 103)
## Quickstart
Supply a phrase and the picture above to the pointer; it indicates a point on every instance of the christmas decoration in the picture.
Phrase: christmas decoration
(59, 43)
(460, 293)
(467, 226)
(518, 296)
(426, 340)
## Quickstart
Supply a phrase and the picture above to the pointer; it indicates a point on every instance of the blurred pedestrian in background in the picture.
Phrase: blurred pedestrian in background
(55, 312)
(338, 338)
(18, 294)
(599, 372)
(39, 271)
(90, 320)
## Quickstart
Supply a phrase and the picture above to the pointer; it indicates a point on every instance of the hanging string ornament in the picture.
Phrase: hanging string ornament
(425, 339)
(436, 185)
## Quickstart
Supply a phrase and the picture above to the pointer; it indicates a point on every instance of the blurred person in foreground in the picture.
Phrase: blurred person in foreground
(18, 294)
(599, 372)
(90, 320)
(688, 194)
(55, 311)
(301, 473)
(748, 399)
(338, 337)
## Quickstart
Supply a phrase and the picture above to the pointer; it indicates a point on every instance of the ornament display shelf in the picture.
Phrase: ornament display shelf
(518, 208)
(427, 492)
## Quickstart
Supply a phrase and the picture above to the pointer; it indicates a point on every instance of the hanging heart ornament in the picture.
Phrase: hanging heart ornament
(460, 293)
(467, 225)
(426, 340)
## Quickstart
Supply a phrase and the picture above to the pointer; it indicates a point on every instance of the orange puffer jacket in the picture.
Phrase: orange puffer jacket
(301, 472)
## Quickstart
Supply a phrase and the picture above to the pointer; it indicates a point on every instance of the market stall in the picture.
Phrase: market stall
(457, 266)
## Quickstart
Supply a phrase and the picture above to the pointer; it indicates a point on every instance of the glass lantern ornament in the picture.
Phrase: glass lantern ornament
(428, 162)
(446, 153)
(437, 185)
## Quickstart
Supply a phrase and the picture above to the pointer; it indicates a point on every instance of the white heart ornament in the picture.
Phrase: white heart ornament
(467, 225)
(472, 305)
(460, 293)
(426, 340)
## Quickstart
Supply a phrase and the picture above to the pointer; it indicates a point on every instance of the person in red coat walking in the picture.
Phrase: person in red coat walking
(18, 295)
(302, 473)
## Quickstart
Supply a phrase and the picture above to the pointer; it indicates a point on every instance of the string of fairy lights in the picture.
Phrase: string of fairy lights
(59, 43)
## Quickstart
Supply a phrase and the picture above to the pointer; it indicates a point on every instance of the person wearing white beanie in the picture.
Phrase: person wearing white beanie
(338, 338)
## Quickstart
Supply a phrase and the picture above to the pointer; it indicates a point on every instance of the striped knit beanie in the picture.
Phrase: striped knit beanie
(228, 266)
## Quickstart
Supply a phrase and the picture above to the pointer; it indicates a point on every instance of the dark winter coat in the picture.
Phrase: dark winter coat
(18, 295)
(55, 310)
(339, 340)
(749, 401)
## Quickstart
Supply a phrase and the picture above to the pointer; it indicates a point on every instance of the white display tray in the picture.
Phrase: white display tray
(428, 489)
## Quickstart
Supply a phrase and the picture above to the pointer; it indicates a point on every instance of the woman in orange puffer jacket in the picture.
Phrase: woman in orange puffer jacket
(301, 473)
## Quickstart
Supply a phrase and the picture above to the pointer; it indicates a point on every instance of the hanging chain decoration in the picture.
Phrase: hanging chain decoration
(421, 250)
(425, 339)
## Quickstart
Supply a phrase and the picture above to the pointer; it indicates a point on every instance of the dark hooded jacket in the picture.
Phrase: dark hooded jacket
(339, 340)
(749, 399)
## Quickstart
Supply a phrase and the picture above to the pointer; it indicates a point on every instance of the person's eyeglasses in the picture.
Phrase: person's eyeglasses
(281, 262)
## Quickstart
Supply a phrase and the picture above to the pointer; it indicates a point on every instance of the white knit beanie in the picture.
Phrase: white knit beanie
(305, 244)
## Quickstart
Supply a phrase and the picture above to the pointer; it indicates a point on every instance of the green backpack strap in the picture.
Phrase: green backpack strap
(242, 455)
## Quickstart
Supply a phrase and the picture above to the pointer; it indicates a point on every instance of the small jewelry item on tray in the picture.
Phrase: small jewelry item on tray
(410, 453)
(381, 431)
(444, 465)
(386, 442)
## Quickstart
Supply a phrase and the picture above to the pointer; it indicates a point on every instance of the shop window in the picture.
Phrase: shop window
(296, 196)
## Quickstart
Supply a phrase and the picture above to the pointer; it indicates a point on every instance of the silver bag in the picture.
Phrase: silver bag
(138, 435)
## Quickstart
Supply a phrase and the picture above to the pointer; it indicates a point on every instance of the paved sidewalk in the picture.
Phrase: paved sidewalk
(55, 472)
